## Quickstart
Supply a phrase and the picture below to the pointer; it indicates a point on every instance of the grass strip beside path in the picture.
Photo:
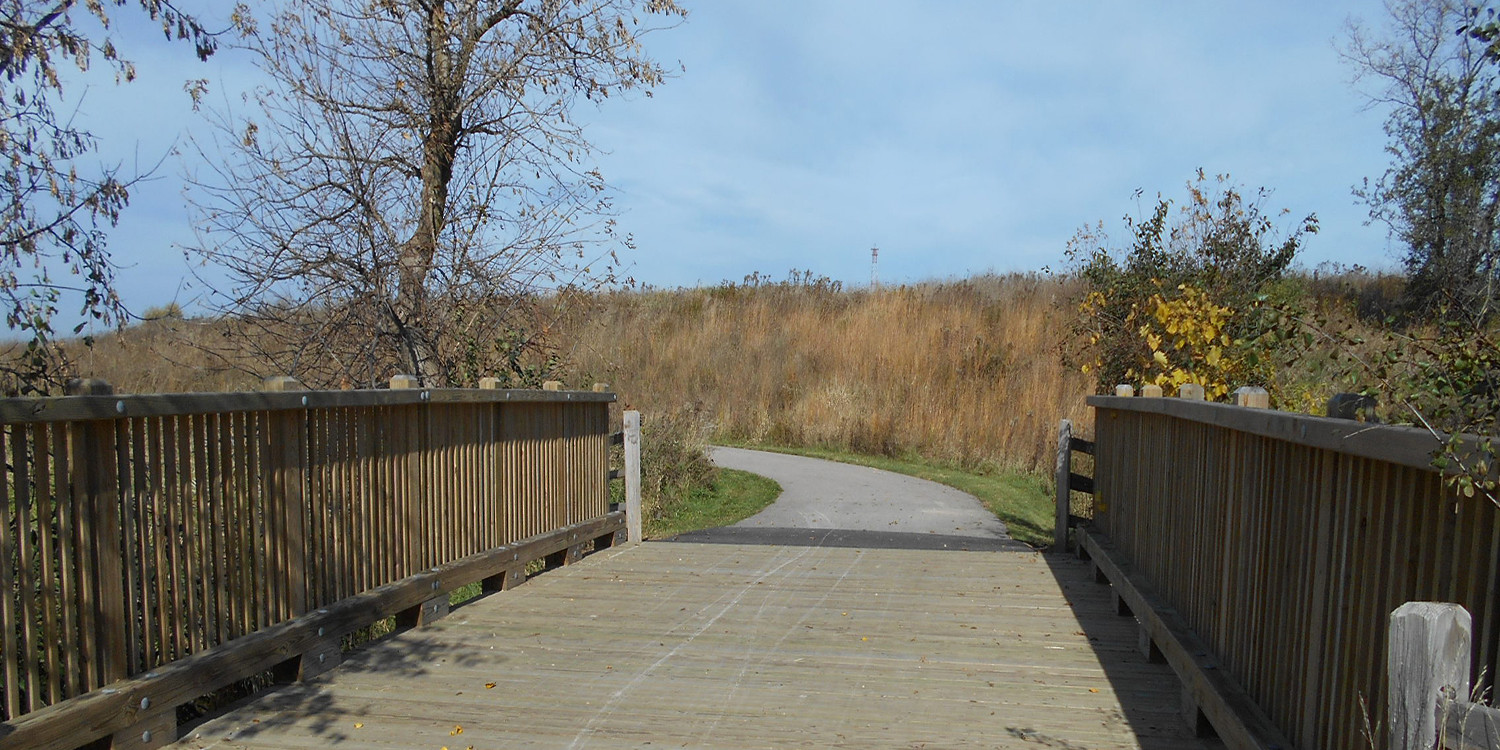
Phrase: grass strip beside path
(733, 496)
(1022, 501)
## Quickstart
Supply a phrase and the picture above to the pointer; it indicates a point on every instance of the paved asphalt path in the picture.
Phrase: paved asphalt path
(825, 503)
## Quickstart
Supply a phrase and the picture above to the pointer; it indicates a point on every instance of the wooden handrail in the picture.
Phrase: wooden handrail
(140, 532)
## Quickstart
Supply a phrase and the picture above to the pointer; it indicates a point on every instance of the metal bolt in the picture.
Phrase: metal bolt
(120, 406)
(145, 703)
(304, 401)
(321, 657)
(146, 736)
(435, 585)
(320, 631)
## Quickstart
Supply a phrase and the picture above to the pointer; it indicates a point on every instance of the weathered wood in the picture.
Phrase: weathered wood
(85, 408)
(756, 646)
(1468, 726)
(1080, 483)
(1124, 390)
(1252, 397)
(1400, 445)
(1151, 390)
(1190, 392)
(103, 712)
(1427, 661)
(632, 422)
(1234, 716)
(1079, 445)
(1062, 482)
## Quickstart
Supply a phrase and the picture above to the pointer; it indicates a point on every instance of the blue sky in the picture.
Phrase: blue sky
(959, 136)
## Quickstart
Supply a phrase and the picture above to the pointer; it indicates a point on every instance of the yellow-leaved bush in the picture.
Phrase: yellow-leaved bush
(1185, 336)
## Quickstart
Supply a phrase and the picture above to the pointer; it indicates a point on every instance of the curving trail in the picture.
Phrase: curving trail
(825, 503)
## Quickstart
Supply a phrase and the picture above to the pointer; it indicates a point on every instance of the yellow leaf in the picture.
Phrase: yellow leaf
(359, 725)
(489, 686)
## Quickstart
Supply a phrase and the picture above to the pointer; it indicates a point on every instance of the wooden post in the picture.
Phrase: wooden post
(489, 384)
(1125, 389)
(281, 383)
(633, 474)
(552, 385)
(88, 387)
(400, 382)
(1252, 397)
(601, 388)
(1064, 496)
(1151, 391)
(1190, 391)
(1428, 660)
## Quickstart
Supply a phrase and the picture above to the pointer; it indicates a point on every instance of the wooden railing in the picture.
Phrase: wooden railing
(156, 548)
(1267, 550)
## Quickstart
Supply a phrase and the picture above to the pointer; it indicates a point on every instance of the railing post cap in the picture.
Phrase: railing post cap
(601, 388)
(399, 382)
(88, 387)
(552, 385)
(1151, 390)
(1252, 396)
(281, 383)
(1125, 389)
(1190, 391)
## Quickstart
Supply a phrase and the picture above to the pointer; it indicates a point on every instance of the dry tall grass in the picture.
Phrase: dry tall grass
(965, 372)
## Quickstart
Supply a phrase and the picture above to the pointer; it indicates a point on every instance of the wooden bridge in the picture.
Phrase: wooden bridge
(159, 551)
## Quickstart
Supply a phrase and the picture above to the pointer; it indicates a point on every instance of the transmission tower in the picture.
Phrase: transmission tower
(874, 263)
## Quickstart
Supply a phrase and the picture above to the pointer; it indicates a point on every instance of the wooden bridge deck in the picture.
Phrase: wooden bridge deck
(736, 646)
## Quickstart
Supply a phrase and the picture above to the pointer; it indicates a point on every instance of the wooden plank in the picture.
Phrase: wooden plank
(88, 408)
(754, 647)
(1404, 446)
(26, 572)
(9, 656)
(1235, 717)
(104, 505)
(50, 495)
(1468, 726)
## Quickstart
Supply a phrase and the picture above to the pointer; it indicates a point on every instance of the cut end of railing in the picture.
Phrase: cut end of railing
(399, 382)
(1190, 392)
(489, 384)
(601, 388)
(1252, 397)
(281, 383)
(552, 385)
(88, 387)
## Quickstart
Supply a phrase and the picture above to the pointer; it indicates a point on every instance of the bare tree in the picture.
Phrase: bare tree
(55, 210)
(1441, 195)
(411, 176)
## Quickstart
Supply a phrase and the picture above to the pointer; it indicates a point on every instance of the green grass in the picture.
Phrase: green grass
(1023, 501)
(732, 496)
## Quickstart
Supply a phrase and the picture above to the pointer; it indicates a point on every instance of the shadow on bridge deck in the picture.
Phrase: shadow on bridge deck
(738, 646)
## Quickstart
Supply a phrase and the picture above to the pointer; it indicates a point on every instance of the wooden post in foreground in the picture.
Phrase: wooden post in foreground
(1428, 660)
(633, 474)
(1064, 496)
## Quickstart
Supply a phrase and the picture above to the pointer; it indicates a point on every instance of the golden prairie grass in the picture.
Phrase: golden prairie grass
(964, 372)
